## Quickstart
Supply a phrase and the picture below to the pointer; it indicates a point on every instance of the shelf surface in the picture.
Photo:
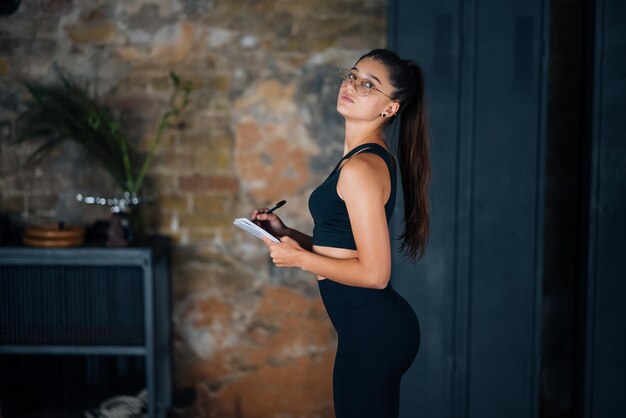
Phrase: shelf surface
(73, 349)
(141, 253)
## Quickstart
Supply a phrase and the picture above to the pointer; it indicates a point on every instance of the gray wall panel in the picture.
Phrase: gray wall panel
(476, 290)
(507, 231)
(429, 287)
(606, 328)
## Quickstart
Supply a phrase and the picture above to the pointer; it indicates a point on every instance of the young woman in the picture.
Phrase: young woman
(350, 249)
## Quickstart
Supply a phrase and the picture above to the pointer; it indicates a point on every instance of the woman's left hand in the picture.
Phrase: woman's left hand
(287, 253)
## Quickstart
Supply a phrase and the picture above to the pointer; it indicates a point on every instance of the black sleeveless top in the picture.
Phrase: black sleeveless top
(332, 225)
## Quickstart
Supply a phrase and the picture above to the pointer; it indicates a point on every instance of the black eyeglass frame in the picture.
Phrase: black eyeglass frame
(344, 74)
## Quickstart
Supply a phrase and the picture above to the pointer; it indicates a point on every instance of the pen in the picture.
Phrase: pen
(279, 204)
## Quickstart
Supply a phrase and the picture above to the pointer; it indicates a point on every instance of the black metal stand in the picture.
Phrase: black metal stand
(91, 301)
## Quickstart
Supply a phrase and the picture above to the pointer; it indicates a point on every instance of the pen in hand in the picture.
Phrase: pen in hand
(279, 204)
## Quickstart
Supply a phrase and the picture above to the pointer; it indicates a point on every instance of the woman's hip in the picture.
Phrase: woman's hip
(381, 315)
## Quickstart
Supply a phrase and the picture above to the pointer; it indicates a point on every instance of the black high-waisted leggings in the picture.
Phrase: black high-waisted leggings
(378, 339)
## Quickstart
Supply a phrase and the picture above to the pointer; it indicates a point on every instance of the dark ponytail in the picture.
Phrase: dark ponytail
(413, 148)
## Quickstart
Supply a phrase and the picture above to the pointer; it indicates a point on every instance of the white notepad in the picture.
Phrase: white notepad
(252, 228)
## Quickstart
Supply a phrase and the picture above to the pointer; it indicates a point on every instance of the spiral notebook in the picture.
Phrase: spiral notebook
(252, 228)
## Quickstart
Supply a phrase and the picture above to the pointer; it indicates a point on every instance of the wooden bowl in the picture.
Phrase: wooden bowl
(49, 235)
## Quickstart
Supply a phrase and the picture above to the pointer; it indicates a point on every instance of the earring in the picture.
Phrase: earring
(384, 115)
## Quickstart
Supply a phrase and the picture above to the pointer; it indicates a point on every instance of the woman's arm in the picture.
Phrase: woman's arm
(349, 271)
(304, 240)
(362, 189)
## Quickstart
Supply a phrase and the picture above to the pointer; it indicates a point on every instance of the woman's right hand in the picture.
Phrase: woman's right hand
(270, 222)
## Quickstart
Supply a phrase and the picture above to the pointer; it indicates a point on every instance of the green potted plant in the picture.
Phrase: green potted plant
(67, 111)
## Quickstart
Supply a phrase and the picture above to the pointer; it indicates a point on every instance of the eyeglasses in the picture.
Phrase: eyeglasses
(362, 86)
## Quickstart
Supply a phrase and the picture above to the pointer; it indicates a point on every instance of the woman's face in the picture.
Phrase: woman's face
(353, 106)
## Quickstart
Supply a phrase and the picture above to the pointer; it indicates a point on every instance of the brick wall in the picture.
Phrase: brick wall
(251, 339)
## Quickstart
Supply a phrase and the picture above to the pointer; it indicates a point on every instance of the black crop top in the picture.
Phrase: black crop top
(332, 225)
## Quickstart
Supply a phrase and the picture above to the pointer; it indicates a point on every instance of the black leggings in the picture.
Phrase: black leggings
(378, 339)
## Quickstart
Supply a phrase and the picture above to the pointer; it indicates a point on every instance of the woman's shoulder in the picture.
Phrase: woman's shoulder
(365, 168)
(364, 161)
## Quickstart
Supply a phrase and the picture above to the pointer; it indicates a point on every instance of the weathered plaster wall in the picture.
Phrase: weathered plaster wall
(251, 339)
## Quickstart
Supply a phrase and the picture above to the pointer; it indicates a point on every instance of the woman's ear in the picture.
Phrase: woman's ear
(391, 109)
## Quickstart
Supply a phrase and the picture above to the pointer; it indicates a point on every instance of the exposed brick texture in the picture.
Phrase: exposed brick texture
(253, 340)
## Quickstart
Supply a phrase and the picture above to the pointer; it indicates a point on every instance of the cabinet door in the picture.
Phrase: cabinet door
(477, 290)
